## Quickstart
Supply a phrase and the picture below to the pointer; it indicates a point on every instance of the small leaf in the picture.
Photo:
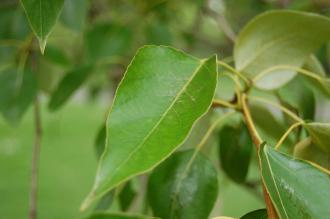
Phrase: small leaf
(320, 134)
(297, 189)
(107, 39)
(257, 214)
(126, 196)
(163, 93)
(42, 16)
(276, 38)
(235, 149)
(110, 215)
(184, 186)
(17, 92)
(68, 85)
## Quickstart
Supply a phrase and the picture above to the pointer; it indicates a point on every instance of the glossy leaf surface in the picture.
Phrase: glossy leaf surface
(164, 91)
(42, 16)
(183, 187)
(277, 38)
(235, 148)
(297, 189)
(68, 85)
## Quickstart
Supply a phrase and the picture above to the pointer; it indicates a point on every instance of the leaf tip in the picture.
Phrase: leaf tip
(42, 45)
(87, 202)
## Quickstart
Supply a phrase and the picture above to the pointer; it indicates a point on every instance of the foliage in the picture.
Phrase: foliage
(265, 96)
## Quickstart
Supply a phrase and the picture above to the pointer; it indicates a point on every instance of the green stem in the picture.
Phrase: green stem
(231, 69)
(285, 135)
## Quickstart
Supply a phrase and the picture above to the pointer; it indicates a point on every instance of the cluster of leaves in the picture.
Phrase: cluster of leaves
(165, 93)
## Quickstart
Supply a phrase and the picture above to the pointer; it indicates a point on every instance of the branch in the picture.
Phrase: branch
(257, 141)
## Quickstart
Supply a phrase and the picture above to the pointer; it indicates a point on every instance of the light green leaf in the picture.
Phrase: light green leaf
(277, 38)
(68, 85)
(42, 16)
(235, 149)
(163, 93)
(110, 215)
(320, 134)
(17, 92)
(257, 214)
(184, 186)
(297, 189)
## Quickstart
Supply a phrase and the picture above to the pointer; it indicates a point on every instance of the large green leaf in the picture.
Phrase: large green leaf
(184, 186)
(163, 93)
(320, 134)
(42, 16)
(110, 215)
(279, 38)
(235, 149)
(68, 85)
(17, 92)
(297, 189)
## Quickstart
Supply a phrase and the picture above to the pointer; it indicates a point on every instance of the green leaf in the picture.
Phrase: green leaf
(56, 56)
(235, 149)
(107, 39)
(42, 16)
(297, 189)
(100, 141)
(297, 96)
(277, 38)
(307, 150)
(257, 214)
(126, 196)
(110, 215)
(105, 202)
(68, 85)
(163, 93)
(17, 92)
(184, 186)
(74, 13)
(320, 134)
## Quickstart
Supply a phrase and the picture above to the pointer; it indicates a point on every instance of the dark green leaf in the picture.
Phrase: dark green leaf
(68, 85)
(100, 141)
(277, 38)
(257, 214)
(235, 149)
(18, 91)
(163, 93)
(184, 186)
(74, 13)
(320, 134)
(109, 215)
(106, 39)
(56, 56)
(105, 202)
(126, 196)
(297, 189)
(42, 16)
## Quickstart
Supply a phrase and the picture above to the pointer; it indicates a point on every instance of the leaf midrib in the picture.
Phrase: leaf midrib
(160, 120)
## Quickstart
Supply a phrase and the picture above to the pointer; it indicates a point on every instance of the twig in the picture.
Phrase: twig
(257, 141)
(35, 162)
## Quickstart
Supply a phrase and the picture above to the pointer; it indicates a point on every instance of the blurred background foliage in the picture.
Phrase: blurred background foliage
(85, 58)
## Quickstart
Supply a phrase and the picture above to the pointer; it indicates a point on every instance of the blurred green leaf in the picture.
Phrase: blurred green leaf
(74, 13)
(307, 150)
(297, 96)
(104, 40)
(126, 196)
(276, 38)
(57, 56)
(185, 87)
(235, 149)
(68, 85)
(320, 134)
(257, 214)
(42, 16)
(17, 92)
(297, 189)
(105, 202)
(109, 215)
(100, 141)
(184, 186)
